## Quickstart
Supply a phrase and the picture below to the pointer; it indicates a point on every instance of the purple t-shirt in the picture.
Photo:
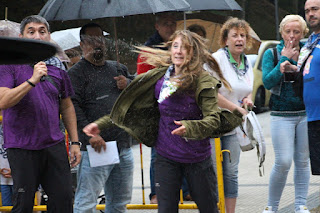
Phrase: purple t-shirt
(179, 106)
(33, 123)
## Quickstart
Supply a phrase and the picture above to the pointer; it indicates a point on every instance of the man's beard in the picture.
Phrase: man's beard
(98, 54)
(315, 26)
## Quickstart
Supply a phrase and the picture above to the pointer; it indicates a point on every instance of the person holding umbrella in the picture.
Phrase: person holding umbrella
(175, 108)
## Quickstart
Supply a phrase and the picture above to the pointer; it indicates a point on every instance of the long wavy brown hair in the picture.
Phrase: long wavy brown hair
(192, 66)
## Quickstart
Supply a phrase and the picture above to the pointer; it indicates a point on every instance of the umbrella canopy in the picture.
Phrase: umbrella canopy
(213, 5)
(92, 9)
(213, 33)
(9, 28)
(68, 38)
(55, 10)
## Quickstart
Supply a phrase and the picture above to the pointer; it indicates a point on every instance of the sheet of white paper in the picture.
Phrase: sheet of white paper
(105, 157)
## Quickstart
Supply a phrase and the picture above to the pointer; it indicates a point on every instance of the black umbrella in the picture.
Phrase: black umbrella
(210, 5)
(62, 10)
(213, 5)
(92, 9)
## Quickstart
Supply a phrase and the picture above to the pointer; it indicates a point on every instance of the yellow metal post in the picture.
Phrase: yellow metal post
(142, 177)
(181, 196)
(219, 159)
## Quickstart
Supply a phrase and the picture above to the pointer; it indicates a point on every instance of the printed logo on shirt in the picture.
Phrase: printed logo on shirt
(307, 66)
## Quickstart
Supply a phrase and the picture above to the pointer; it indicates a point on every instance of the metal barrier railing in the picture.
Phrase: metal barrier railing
(221, 203)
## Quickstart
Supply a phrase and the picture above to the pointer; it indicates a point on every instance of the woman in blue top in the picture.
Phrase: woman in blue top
(288, 118)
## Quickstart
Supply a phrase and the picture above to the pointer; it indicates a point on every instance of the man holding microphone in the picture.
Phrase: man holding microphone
(35, 145)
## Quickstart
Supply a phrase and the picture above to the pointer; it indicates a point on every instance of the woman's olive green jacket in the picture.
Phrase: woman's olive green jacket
(136, 110)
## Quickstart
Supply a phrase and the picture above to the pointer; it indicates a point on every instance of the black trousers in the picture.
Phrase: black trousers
(48, 167)
(314, 146)
(201, 179)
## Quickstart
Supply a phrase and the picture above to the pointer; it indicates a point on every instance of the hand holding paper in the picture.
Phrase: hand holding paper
(106, 157)
(97, 143)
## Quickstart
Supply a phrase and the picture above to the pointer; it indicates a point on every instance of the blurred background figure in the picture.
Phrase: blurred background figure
(10, 29)
(196, 28)
(74, 56)
(5, 171)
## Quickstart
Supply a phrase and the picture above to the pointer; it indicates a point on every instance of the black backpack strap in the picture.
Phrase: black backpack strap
(275, 56)
(298, 83)
(49, 78)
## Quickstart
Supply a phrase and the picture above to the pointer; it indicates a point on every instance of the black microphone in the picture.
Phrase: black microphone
(43, 78)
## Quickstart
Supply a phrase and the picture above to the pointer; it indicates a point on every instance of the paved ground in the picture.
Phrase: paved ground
(253, 189)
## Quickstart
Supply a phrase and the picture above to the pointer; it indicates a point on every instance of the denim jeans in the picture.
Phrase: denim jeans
(153, 159)
(290, 142)
(6, 195)
(116, 180)
(230, 165)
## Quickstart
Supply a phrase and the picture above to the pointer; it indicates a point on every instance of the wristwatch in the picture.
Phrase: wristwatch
(76, 143)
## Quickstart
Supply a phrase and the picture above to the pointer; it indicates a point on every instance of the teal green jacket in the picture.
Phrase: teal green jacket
(136, 110)
(286, 100)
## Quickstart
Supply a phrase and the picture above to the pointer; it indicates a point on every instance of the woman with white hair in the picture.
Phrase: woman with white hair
(288, 117)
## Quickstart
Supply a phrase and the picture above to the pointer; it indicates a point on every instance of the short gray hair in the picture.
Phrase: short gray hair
(33, 19)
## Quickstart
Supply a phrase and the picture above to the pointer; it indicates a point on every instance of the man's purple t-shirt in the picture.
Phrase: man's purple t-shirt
(179, 106)
(33, 123)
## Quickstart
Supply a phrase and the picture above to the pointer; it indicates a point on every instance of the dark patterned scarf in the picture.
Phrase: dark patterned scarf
(240, 72)
(312, 44)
